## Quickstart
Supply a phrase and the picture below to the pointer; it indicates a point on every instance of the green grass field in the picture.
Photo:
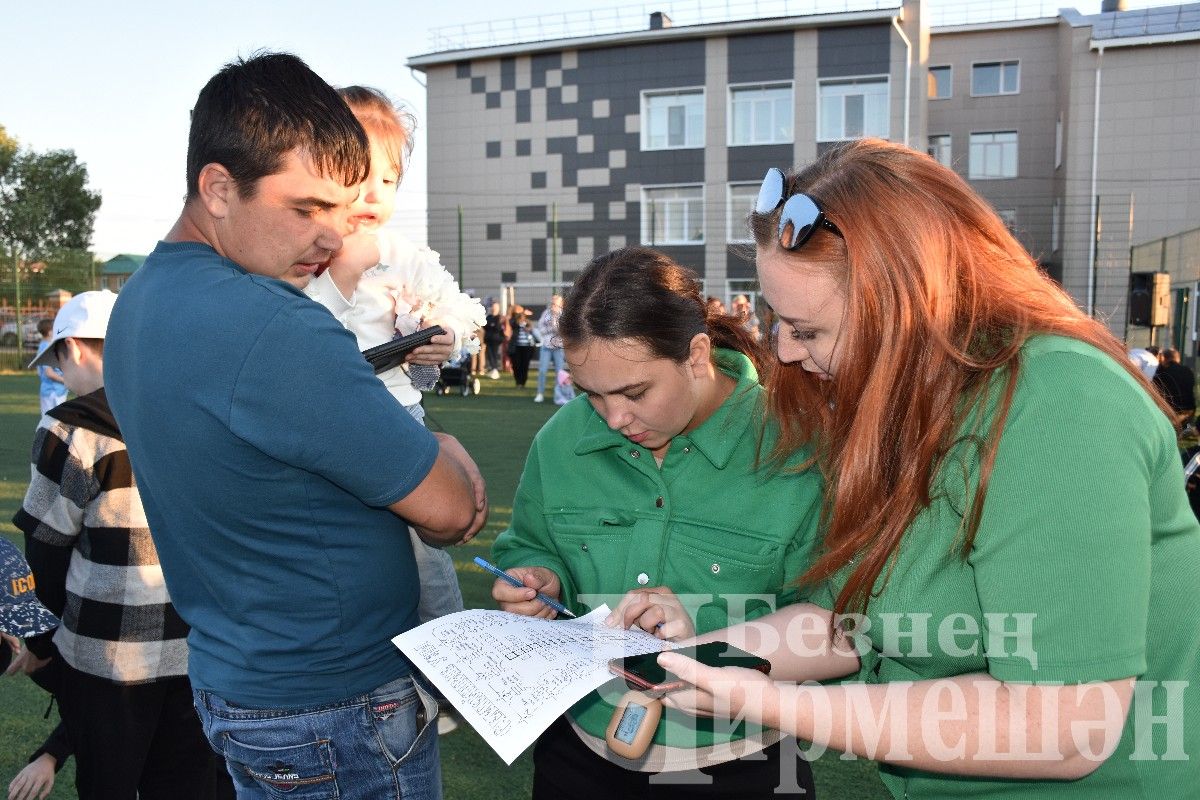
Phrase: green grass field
(496, 427)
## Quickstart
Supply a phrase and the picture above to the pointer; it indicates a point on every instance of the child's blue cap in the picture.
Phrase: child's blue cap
(20, 612)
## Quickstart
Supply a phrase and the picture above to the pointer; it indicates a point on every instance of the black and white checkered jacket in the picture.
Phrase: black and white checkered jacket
(89, 546)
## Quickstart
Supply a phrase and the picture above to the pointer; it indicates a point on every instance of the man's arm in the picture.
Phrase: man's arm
(450, 506)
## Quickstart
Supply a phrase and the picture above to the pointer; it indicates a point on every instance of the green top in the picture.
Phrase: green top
(598, 511)
(1087, 528)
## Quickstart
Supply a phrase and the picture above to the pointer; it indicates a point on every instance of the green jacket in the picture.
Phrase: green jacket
(598, 511)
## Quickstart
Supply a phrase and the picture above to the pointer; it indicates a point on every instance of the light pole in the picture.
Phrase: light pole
(17, 306)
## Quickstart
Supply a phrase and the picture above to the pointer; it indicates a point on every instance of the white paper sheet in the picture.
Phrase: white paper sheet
(511, 676)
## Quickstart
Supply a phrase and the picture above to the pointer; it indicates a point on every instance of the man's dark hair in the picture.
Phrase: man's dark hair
(254, 112)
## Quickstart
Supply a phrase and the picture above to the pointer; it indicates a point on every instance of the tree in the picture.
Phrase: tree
(8, 150)
(45, 206)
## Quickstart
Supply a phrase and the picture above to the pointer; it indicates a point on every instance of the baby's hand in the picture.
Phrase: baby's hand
(360, 252)
(436, 352)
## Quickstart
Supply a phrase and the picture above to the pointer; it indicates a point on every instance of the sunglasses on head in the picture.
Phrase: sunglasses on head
(800, 211)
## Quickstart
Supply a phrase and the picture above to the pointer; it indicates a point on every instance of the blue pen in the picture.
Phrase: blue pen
(504, 576)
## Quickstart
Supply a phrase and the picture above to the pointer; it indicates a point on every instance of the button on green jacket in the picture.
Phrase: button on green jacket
(710, 522)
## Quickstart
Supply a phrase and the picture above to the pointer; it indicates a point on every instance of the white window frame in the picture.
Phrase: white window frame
(949, 163)
(647, 228)
(735, 218)
(791, 107)
(644, 119)
(883, 78)
(1001, 62)
(1055, 229)
(970, 161)
(950, 69)
(1058, 142)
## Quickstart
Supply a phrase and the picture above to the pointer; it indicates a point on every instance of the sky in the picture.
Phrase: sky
(114, 81)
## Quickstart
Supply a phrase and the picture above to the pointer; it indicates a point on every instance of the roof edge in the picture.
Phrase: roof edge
(1148, 39)
(646, 35)
(971, 27)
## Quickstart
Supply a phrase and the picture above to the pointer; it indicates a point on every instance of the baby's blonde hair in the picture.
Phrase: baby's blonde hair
(391, 124)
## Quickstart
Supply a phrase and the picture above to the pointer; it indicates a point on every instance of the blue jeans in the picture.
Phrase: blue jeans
(547, 355)
(377, 745)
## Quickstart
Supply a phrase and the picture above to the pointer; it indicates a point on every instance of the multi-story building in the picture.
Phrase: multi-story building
(544, 154)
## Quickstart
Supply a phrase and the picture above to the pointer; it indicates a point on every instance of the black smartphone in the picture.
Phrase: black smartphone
(643, 672)
(391, 354)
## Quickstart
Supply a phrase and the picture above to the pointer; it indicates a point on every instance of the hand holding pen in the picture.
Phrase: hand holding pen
(528, 591)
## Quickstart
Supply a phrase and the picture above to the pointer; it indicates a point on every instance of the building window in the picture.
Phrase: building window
(672, 215)
(853, 108)
(760, 114)
(672, 120)
(995, 77)
(741, 197)
(940, 87)
(993, 155)
(939, 148)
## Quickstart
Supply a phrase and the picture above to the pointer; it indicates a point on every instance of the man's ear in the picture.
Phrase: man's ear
(216, 188)
(700, 354)
(70, 350)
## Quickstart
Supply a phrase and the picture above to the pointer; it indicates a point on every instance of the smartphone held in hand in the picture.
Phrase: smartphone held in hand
(391, 354)
(643, 672)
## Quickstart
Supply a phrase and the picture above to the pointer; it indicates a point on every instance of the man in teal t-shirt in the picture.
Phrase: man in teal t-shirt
(278, 474)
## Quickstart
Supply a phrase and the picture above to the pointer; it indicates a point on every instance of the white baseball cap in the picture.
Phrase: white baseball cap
(85, 316)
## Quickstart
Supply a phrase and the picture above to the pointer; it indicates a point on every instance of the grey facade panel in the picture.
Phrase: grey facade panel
(762, 57)
(524, 147)
(739, 263)
(751, 163)
(462, 69)
(646, 66)
(531, 213)
(537, 180)
(493, 231)
(493, 149)
(854, 50)
(493, 99)
(825, 147)
(478, 84)
(508, 73)
(537, 254)
(523, 107)
(690, 256)
(667, 166)
(540, 64)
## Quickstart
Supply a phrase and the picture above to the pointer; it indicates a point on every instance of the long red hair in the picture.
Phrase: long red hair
(939, 299)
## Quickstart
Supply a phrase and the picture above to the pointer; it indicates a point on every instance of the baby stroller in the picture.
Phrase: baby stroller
(457, 377)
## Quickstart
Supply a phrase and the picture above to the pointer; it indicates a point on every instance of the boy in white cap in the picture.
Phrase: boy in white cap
(124, 695)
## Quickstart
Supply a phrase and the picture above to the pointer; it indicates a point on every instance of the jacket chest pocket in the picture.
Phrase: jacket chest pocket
(594, 546)
(737, 577)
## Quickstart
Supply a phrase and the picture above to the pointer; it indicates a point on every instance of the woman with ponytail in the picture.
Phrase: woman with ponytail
(653, 479)
(1009, 563)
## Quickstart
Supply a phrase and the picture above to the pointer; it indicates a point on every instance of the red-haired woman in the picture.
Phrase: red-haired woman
(1010, 562)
